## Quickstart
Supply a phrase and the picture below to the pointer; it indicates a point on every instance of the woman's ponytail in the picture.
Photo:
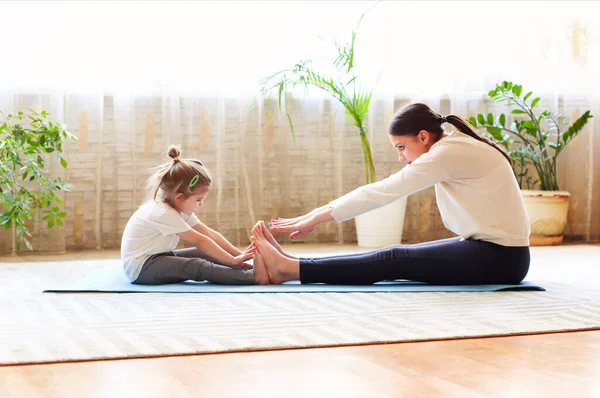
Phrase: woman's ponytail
(465, 127)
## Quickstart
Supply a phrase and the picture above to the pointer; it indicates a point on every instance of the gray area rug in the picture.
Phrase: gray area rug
(40, 327)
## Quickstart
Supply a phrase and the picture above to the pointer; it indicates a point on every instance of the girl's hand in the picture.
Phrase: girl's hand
(238, 261)
(251, 247)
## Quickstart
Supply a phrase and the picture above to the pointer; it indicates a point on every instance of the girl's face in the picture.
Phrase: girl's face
(190, 204)
(411, 147)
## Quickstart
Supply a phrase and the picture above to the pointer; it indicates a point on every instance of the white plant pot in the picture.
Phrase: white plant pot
(383, 226)
(547, 212)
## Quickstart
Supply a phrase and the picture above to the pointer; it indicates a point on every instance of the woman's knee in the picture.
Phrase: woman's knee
(393, 252)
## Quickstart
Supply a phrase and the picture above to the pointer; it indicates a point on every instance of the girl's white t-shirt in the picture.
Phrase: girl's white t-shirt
(475, 188)
(152, 229)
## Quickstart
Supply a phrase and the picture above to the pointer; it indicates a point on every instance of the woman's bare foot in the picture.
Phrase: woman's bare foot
(261, 277)
(279, 268)
(269, 237)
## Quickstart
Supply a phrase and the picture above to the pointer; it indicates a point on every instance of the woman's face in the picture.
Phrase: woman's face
(410, 147)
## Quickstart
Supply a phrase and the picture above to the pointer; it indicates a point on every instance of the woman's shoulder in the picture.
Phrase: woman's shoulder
(449, 144)
(457, 142)
(467, 155)
(455, 137)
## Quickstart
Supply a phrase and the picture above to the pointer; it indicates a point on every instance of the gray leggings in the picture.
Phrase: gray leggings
(189, 264)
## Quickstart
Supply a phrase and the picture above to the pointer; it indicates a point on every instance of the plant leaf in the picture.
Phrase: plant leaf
(496, 132)
(517, 90)
(289, 118)
(576, 127)
(502, 120)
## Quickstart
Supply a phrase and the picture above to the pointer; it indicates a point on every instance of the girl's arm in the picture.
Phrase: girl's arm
(212, 249)
(217, 238)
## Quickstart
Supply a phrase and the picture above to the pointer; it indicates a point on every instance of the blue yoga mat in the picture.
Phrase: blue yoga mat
(113, 280)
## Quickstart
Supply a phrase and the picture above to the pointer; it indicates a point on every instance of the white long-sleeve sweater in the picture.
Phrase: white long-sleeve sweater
(475, 188)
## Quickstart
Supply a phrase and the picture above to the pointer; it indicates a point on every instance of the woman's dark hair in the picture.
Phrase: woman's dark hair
(417, 117)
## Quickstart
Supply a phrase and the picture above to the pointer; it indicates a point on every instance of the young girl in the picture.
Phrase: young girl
(152, 233)
(477, 195)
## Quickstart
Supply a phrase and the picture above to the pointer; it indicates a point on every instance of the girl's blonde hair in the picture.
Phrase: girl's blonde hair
(177, 176)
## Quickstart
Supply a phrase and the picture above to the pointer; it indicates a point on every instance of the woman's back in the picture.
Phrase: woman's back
(480, 198)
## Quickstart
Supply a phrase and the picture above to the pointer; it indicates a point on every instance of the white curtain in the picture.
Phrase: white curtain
(131, 78)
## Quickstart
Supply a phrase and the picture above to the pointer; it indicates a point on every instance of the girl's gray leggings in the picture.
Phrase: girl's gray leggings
(189, 264)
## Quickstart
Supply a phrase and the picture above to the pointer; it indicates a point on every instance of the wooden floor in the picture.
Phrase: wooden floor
(550, 365)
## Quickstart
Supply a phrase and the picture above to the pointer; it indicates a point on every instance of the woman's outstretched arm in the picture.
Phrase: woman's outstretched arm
(422, 173)
(302, 225)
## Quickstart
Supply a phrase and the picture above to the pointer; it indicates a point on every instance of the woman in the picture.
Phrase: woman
(477, 195)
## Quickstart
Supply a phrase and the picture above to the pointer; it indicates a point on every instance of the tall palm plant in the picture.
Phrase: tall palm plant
(343, 84)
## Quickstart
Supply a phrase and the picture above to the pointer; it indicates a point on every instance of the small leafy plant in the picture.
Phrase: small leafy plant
(531, 139)
(26, 189)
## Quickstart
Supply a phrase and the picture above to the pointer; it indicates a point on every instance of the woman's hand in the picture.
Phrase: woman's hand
(302, 225)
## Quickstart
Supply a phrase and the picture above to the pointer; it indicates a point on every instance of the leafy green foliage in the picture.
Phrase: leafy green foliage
(532, 140)
(343, 85)
(25, 188)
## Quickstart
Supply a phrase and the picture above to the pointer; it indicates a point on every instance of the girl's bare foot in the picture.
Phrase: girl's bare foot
(261, 277)
(269, 237)
(279, 268)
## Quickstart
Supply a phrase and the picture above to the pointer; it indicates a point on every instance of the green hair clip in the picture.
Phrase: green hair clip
(194, 181)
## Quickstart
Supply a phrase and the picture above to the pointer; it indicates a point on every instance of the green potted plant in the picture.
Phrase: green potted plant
(534, 142)
(26, 189)
(345, 87)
